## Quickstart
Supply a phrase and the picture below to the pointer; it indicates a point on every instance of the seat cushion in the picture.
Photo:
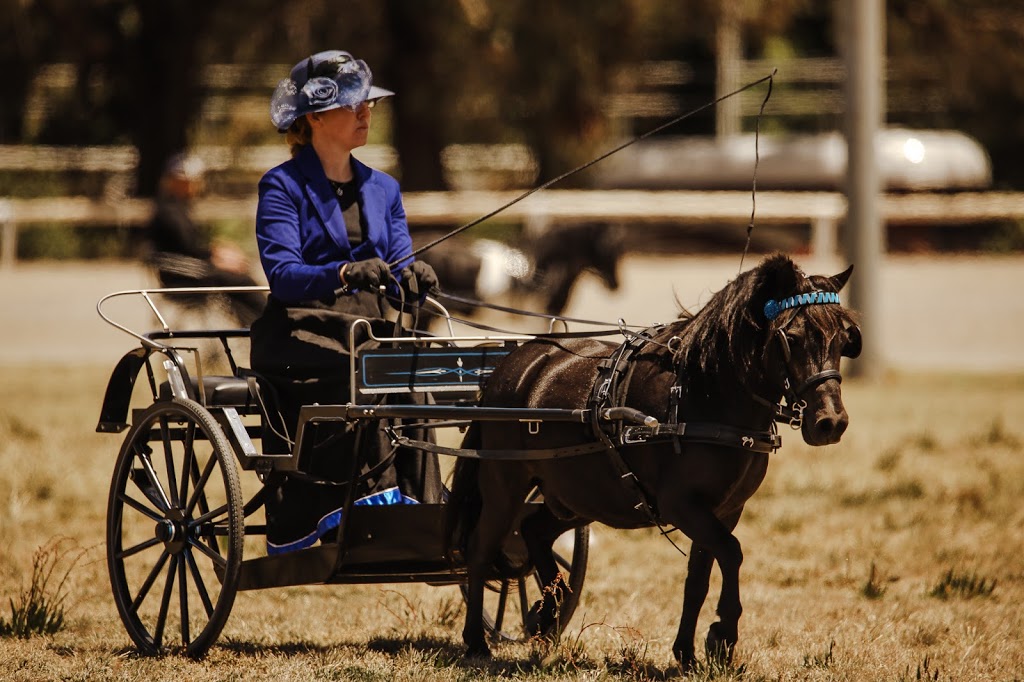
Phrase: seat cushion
(222, 391)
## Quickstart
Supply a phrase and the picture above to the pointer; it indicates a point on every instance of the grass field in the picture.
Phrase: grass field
(895, 555)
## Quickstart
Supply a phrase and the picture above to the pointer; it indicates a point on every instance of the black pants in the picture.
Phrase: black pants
(302, 356)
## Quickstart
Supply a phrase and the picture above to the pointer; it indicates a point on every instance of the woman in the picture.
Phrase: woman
(327, 227)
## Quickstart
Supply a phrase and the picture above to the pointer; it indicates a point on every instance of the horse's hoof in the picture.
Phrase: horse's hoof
(719, 646)
(478, 653)
(686, 663)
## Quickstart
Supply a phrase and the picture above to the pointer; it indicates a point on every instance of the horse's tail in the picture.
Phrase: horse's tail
(465, 501)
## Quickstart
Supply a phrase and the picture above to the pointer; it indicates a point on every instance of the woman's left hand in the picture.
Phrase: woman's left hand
(426, 278)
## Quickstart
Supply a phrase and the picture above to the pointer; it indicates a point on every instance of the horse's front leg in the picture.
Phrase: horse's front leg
(712, 537)
(695, 591)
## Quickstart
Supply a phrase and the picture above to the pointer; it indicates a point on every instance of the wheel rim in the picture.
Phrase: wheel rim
(175, 529)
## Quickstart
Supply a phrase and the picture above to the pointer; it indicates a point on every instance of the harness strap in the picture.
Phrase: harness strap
(506, 455)
(606, 392)
(763, 442)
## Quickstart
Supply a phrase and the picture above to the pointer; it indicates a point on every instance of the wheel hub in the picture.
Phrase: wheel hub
(171, 531)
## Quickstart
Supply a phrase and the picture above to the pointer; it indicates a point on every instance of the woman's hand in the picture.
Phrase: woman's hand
(365, 274)
(426, 278)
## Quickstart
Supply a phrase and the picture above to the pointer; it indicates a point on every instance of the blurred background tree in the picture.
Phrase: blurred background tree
(554, 77)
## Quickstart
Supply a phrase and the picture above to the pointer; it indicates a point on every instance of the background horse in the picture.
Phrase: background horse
(544, 268)
(715, 382)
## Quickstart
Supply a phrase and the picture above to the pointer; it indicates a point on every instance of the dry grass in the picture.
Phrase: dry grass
(844, 548)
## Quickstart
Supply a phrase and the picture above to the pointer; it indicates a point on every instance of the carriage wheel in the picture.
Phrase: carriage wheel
(175, 529)
(507, 603)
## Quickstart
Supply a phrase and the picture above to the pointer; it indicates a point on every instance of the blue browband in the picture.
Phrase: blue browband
(772, 308)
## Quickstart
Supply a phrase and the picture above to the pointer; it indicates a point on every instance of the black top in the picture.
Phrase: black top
(348, 199)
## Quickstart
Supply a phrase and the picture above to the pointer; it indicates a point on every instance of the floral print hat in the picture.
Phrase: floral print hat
(325, 80)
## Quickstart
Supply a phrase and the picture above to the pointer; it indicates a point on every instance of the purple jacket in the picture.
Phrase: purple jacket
(301, 232)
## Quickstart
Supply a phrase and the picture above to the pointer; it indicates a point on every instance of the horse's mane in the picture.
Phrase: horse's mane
(726, 339)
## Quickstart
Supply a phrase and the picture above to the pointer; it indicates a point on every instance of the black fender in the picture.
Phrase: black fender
(118, 397)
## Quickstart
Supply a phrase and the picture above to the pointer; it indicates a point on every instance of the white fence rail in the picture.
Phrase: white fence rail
(822, 211)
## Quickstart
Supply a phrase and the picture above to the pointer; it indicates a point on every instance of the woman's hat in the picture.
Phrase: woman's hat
(326, 80)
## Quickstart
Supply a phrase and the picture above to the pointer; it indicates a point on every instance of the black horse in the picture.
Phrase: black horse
(545, 269)
(714, 380)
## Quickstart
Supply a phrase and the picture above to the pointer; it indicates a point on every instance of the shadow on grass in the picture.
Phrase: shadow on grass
(442, 652)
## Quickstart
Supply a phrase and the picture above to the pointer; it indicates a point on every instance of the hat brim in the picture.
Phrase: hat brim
(378, 93)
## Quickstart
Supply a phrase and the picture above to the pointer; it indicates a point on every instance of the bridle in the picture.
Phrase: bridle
(792, 411)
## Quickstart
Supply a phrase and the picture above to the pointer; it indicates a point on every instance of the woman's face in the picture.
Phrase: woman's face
(343, 127)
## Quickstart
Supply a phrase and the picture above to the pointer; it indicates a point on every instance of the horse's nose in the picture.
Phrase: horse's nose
(829, 429)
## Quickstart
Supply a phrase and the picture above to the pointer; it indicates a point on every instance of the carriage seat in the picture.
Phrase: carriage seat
(221, 391)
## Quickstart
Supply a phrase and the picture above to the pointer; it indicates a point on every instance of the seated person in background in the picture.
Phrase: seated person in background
(183, 253)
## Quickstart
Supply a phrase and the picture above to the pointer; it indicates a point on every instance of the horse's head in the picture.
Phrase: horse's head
(808, 331)
(608, 245)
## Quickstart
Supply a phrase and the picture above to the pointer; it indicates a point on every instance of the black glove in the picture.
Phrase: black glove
(365, 274)
(426, 278)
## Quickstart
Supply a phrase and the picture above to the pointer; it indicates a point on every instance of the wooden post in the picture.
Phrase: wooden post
(728, 114)
(8, 236)
(865, 114)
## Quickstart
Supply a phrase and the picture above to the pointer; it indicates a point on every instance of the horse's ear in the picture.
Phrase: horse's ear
(839, 281)
(779, 278)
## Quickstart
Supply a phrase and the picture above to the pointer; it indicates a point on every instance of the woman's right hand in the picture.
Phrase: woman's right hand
(365, 274)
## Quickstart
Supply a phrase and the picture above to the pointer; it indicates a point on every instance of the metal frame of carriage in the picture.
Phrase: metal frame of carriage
(175, 539)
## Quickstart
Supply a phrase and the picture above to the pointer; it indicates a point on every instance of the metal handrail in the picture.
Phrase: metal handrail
(146, 295)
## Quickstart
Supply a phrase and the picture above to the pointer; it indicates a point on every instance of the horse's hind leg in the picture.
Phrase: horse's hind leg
(540, 530)
(503, 497)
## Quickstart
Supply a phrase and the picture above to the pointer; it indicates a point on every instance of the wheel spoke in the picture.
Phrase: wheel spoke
(499, 617)
(200, 485)
(148, 583)
(125, 553)
(200, 584)
(209, 516)
(524, 600)
(165, 602)
(172, 484)
(183, 601)
(189, 460)
(138, 506)
(216, 558)
(562, 561)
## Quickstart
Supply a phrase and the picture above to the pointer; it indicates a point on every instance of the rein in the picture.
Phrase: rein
(769, 78)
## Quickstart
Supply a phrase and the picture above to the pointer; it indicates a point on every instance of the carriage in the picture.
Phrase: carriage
(180, 513)
(669, 426)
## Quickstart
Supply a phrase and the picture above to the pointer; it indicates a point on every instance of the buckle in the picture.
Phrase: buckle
(635, 434)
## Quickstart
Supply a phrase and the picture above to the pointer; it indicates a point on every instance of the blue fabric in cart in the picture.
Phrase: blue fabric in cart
(331, 520)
